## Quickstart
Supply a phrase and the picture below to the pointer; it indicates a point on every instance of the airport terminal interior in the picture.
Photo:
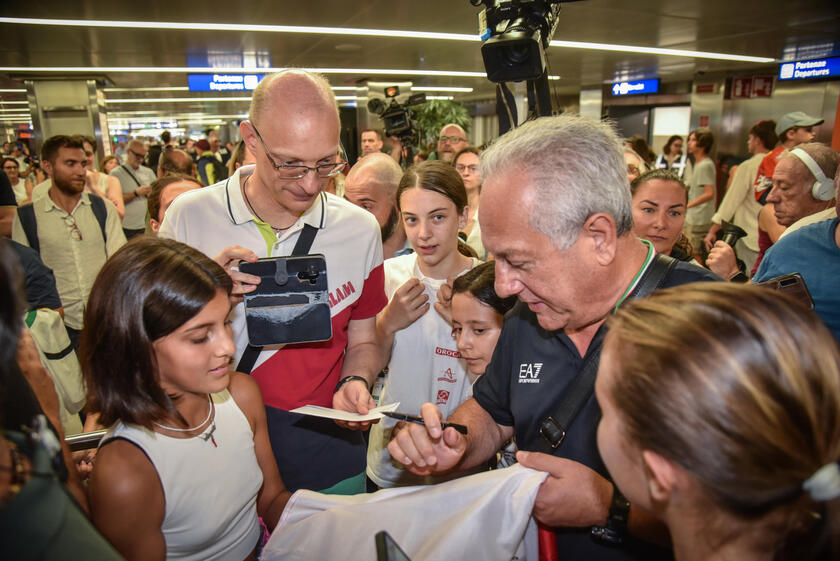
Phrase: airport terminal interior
(223, 357)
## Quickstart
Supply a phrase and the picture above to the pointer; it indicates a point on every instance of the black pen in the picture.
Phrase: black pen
(419, 420)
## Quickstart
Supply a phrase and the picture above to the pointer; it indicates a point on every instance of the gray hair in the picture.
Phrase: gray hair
(577, 169)
(825, 157)
(384, 171)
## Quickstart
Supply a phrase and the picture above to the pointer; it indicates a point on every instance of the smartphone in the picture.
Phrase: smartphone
(793, 285)
(387, 549)
(291, 303)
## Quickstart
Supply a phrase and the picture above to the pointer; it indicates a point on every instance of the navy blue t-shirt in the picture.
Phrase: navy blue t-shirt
(526, 379)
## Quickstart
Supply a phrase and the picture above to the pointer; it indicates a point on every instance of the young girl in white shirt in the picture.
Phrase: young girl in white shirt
(424, 362)
(187, 466)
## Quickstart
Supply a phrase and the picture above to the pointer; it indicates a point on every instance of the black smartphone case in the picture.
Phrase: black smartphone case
(291, 304)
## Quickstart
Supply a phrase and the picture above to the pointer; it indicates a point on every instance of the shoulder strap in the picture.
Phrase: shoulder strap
(128, 171)
(97, 204)
(26, 215)
(302, 247)
(553, 428)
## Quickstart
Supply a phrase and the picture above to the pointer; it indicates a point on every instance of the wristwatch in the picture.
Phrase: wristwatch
(613, 532)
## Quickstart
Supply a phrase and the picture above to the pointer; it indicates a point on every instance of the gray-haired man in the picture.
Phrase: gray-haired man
(555, 213)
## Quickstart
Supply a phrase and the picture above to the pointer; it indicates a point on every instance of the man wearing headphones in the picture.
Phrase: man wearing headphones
(813, 250)
(802, 187)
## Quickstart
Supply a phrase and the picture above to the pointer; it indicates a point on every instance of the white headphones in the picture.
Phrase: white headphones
(823, 187)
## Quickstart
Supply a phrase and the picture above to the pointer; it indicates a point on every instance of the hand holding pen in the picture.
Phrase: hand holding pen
(428, 448)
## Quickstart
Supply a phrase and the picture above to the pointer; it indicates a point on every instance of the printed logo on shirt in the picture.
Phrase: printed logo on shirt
(447, 376)
(529, 373)
(447, 352)
(442, 397)
(341, 293)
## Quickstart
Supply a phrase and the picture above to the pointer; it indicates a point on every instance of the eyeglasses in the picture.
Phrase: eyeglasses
(136, 154)
(75, 233)
(452, 139)
(461, 168)
(10, 168)
(287, 171)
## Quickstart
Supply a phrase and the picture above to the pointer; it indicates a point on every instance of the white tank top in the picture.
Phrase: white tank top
(210, 490)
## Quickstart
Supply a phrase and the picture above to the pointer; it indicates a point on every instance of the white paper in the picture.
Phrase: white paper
(326, 412)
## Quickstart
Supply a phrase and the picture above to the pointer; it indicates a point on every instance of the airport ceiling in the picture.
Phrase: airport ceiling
(763, 28)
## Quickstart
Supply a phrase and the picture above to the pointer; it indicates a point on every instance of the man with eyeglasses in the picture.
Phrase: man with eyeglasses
(451, 140)
(136, 180)
(261, 211)
(68, 233)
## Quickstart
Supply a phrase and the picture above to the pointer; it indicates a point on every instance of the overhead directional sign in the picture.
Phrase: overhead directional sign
(637, 87)
(804, 69)
(223, 82)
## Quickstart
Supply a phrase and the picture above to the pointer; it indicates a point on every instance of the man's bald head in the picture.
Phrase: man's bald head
(372, 184)
(379, 169)
(293, 90)
(175, 161)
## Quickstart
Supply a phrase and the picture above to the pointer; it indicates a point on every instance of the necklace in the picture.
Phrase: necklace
(208, 435)
(251, 206)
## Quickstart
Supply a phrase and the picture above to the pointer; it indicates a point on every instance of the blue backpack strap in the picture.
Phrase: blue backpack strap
(100, 212)
(26, 215)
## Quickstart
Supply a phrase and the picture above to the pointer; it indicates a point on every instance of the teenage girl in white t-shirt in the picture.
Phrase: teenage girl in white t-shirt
(187, 466)
(424, 362)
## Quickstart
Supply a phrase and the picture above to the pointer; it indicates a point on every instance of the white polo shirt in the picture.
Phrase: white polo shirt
(216, 217)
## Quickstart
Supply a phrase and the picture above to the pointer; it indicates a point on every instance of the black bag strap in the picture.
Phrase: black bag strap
(553, 428)
(26, 216)
(302, 246)
(128, 171)
(97, 205)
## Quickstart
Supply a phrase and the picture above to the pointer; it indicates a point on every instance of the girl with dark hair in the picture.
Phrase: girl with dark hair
(477, 315)
(423, 363)
(672, 157)
(721, 416)
(187, 465)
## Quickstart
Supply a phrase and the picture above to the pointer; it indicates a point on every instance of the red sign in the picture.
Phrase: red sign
(705, 88)
(704, 121)
(762, 86)
(742, 88)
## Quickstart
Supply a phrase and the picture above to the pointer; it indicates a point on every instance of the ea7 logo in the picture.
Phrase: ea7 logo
(529, 373)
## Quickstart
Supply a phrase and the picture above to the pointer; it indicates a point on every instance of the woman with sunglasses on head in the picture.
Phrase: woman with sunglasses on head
(721, 416)
(423, 363)
(187, 465)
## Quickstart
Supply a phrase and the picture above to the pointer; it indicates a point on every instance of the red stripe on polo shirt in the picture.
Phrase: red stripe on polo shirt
(373, 297)
(294, 375)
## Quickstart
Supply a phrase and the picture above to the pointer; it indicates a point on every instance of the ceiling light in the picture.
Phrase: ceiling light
(175, 99)
(13, 102)
(657, 51)
(245, 27)
(12, 91)
(442, 97)
(244, 70)
(388, 84)
(440, 89)
(405, 34)
(156, 89)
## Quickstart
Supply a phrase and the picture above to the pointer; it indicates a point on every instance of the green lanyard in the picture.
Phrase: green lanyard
(651, 254)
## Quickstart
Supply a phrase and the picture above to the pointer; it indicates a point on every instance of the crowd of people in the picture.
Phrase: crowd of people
(580, 325)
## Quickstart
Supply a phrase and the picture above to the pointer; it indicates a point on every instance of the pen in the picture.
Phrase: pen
(419, 420)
